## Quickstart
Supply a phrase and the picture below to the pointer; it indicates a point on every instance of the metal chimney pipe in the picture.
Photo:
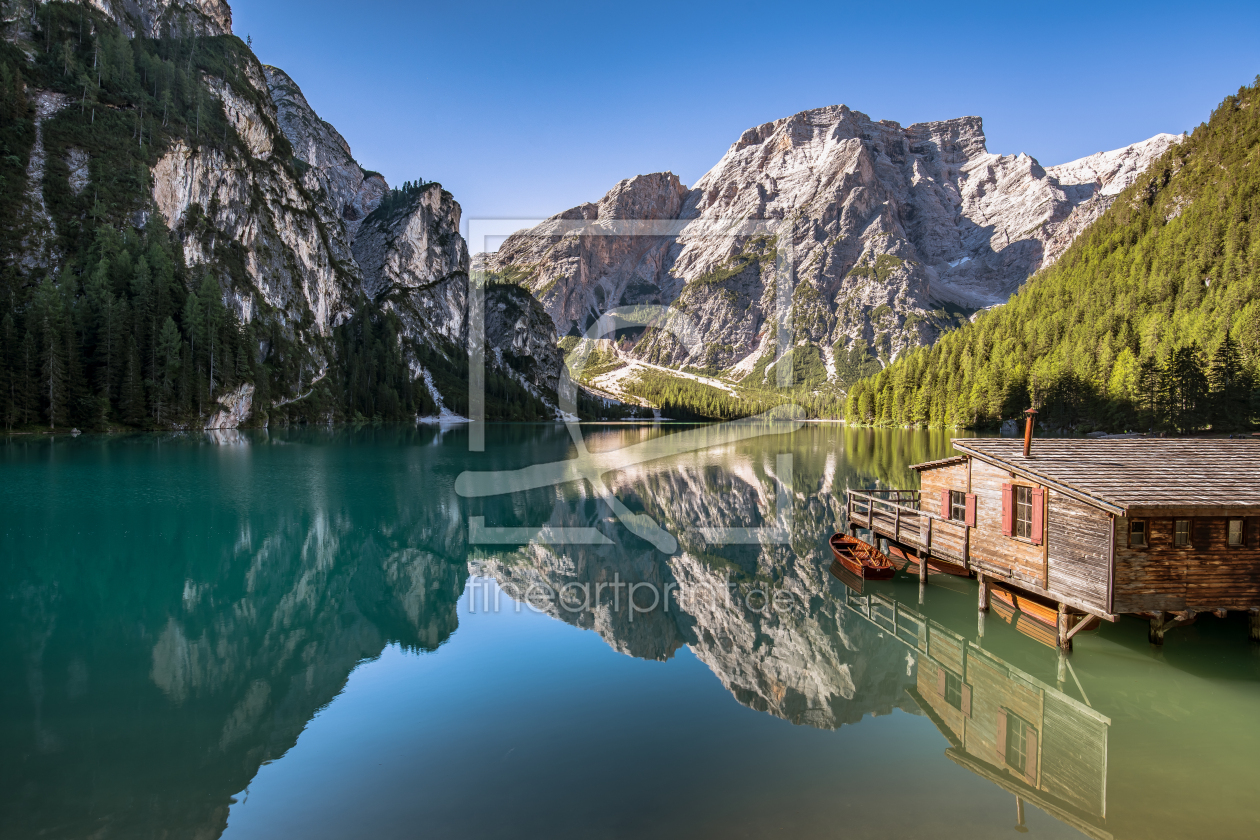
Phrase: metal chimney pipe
(1031, 414)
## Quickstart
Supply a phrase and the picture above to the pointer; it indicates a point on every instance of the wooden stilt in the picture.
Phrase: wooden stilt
(1065, 628)
(984, 592)
(1061, 675)
(923, 568)
(1019, 815)
(1158, 625)
(1253, 616)
(980, 614)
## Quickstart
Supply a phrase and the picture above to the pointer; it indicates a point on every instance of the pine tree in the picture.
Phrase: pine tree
(26, 396)
(1187, 388)
(53, 371)
(1230, 386)
(131, 399)
(8, 375)
(166, 376)
(1150, 390)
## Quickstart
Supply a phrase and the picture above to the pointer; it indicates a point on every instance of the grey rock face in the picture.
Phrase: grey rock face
(522, 338)
(235, 409)
(579, 276)
(885, 227)
(155, 18)
(349, 192)
(39, 243)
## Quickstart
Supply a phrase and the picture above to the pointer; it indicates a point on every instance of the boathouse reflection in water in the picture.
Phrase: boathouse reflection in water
(1002, 723)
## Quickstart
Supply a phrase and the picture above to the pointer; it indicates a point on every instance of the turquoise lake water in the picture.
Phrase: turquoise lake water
(319, 634)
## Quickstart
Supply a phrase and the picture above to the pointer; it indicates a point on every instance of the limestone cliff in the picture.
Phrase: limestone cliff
(155, 18)
(890, 234)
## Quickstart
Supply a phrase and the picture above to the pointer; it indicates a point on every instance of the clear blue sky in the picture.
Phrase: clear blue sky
(524, 110)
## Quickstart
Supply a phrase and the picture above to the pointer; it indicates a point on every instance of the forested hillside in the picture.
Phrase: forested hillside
(1150, 320)
(121, 331)
(105, 318)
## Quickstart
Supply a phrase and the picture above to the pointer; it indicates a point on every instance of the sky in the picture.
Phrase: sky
(525, 110)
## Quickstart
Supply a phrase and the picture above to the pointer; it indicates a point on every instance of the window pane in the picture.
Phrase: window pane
(957, 505)
(1016, 743)
(1181, 533)
(1235, 532)
(953, 689)
(1137, 532)
(1023, 512)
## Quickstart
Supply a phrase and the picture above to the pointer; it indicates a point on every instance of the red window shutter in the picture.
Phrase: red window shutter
(945, 504)
(1030, 764)
(1038, 515)
(1008, 510)
(971, 510)
(940, 680)
(966, 700)
(1001, 737)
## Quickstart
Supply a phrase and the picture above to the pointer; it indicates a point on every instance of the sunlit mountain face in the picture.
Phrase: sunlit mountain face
(301, 631)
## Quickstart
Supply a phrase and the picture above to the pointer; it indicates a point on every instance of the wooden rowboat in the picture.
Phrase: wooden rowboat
(1003, 596)
(860, 558)
(1038, 611)
(935, 566)
(1048, 616)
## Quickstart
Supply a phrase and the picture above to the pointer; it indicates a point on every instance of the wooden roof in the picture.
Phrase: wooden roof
(944, 462)
(1120, 475)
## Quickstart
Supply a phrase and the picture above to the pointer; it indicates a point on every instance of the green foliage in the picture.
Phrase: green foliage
(680, 398)
(398, 199)
(854, 363)
(879, 270)
(377, 382)
(1114, 334)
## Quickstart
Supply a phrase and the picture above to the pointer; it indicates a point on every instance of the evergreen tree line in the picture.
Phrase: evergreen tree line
(398, 198)
(1150, 320)
(378, 384)
(126, 341)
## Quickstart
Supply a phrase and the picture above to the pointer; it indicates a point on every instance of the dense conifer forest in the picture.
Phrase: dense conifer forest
(1150, 321)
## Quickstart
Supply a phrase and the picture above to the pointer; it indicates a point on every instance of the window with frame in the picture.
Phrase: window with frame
(958, 505)
(1181, 533)
(1137, 533)
(1016, 744)
(953, 689)
(1236, 532)
(1023, 511)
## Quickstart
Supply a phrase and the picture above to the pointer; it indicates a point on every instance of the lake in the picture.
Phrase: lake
(378, 633)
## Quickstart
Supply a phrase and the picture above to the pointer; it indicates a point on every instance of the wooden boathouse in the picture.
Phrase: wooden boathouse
(1162, 528)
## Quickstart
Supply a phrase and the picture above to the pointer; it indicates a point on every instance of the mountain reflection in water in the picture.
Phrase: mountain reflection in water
(177, 612)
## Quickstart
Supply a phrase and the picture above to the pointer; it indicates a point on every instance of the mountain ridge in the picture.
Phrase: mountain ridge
(897, 234)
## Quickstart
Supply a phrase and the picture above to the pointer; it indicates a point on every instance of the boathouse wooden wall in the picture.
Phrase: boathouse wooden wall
(932, 482)
(988, 544)
(1209, 575)
(1078, 540)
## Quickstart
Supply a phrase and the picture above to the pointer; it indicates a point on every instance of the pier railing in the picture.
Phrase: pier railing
(886, 513)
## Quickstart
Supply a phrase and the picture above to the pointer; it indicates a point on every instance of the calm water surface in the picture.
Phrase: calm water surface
(292, 634)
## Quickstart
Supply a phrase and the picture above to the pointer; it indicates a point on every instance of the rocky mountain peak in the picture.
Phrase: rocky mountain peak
(351, 192)
(894, 233)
